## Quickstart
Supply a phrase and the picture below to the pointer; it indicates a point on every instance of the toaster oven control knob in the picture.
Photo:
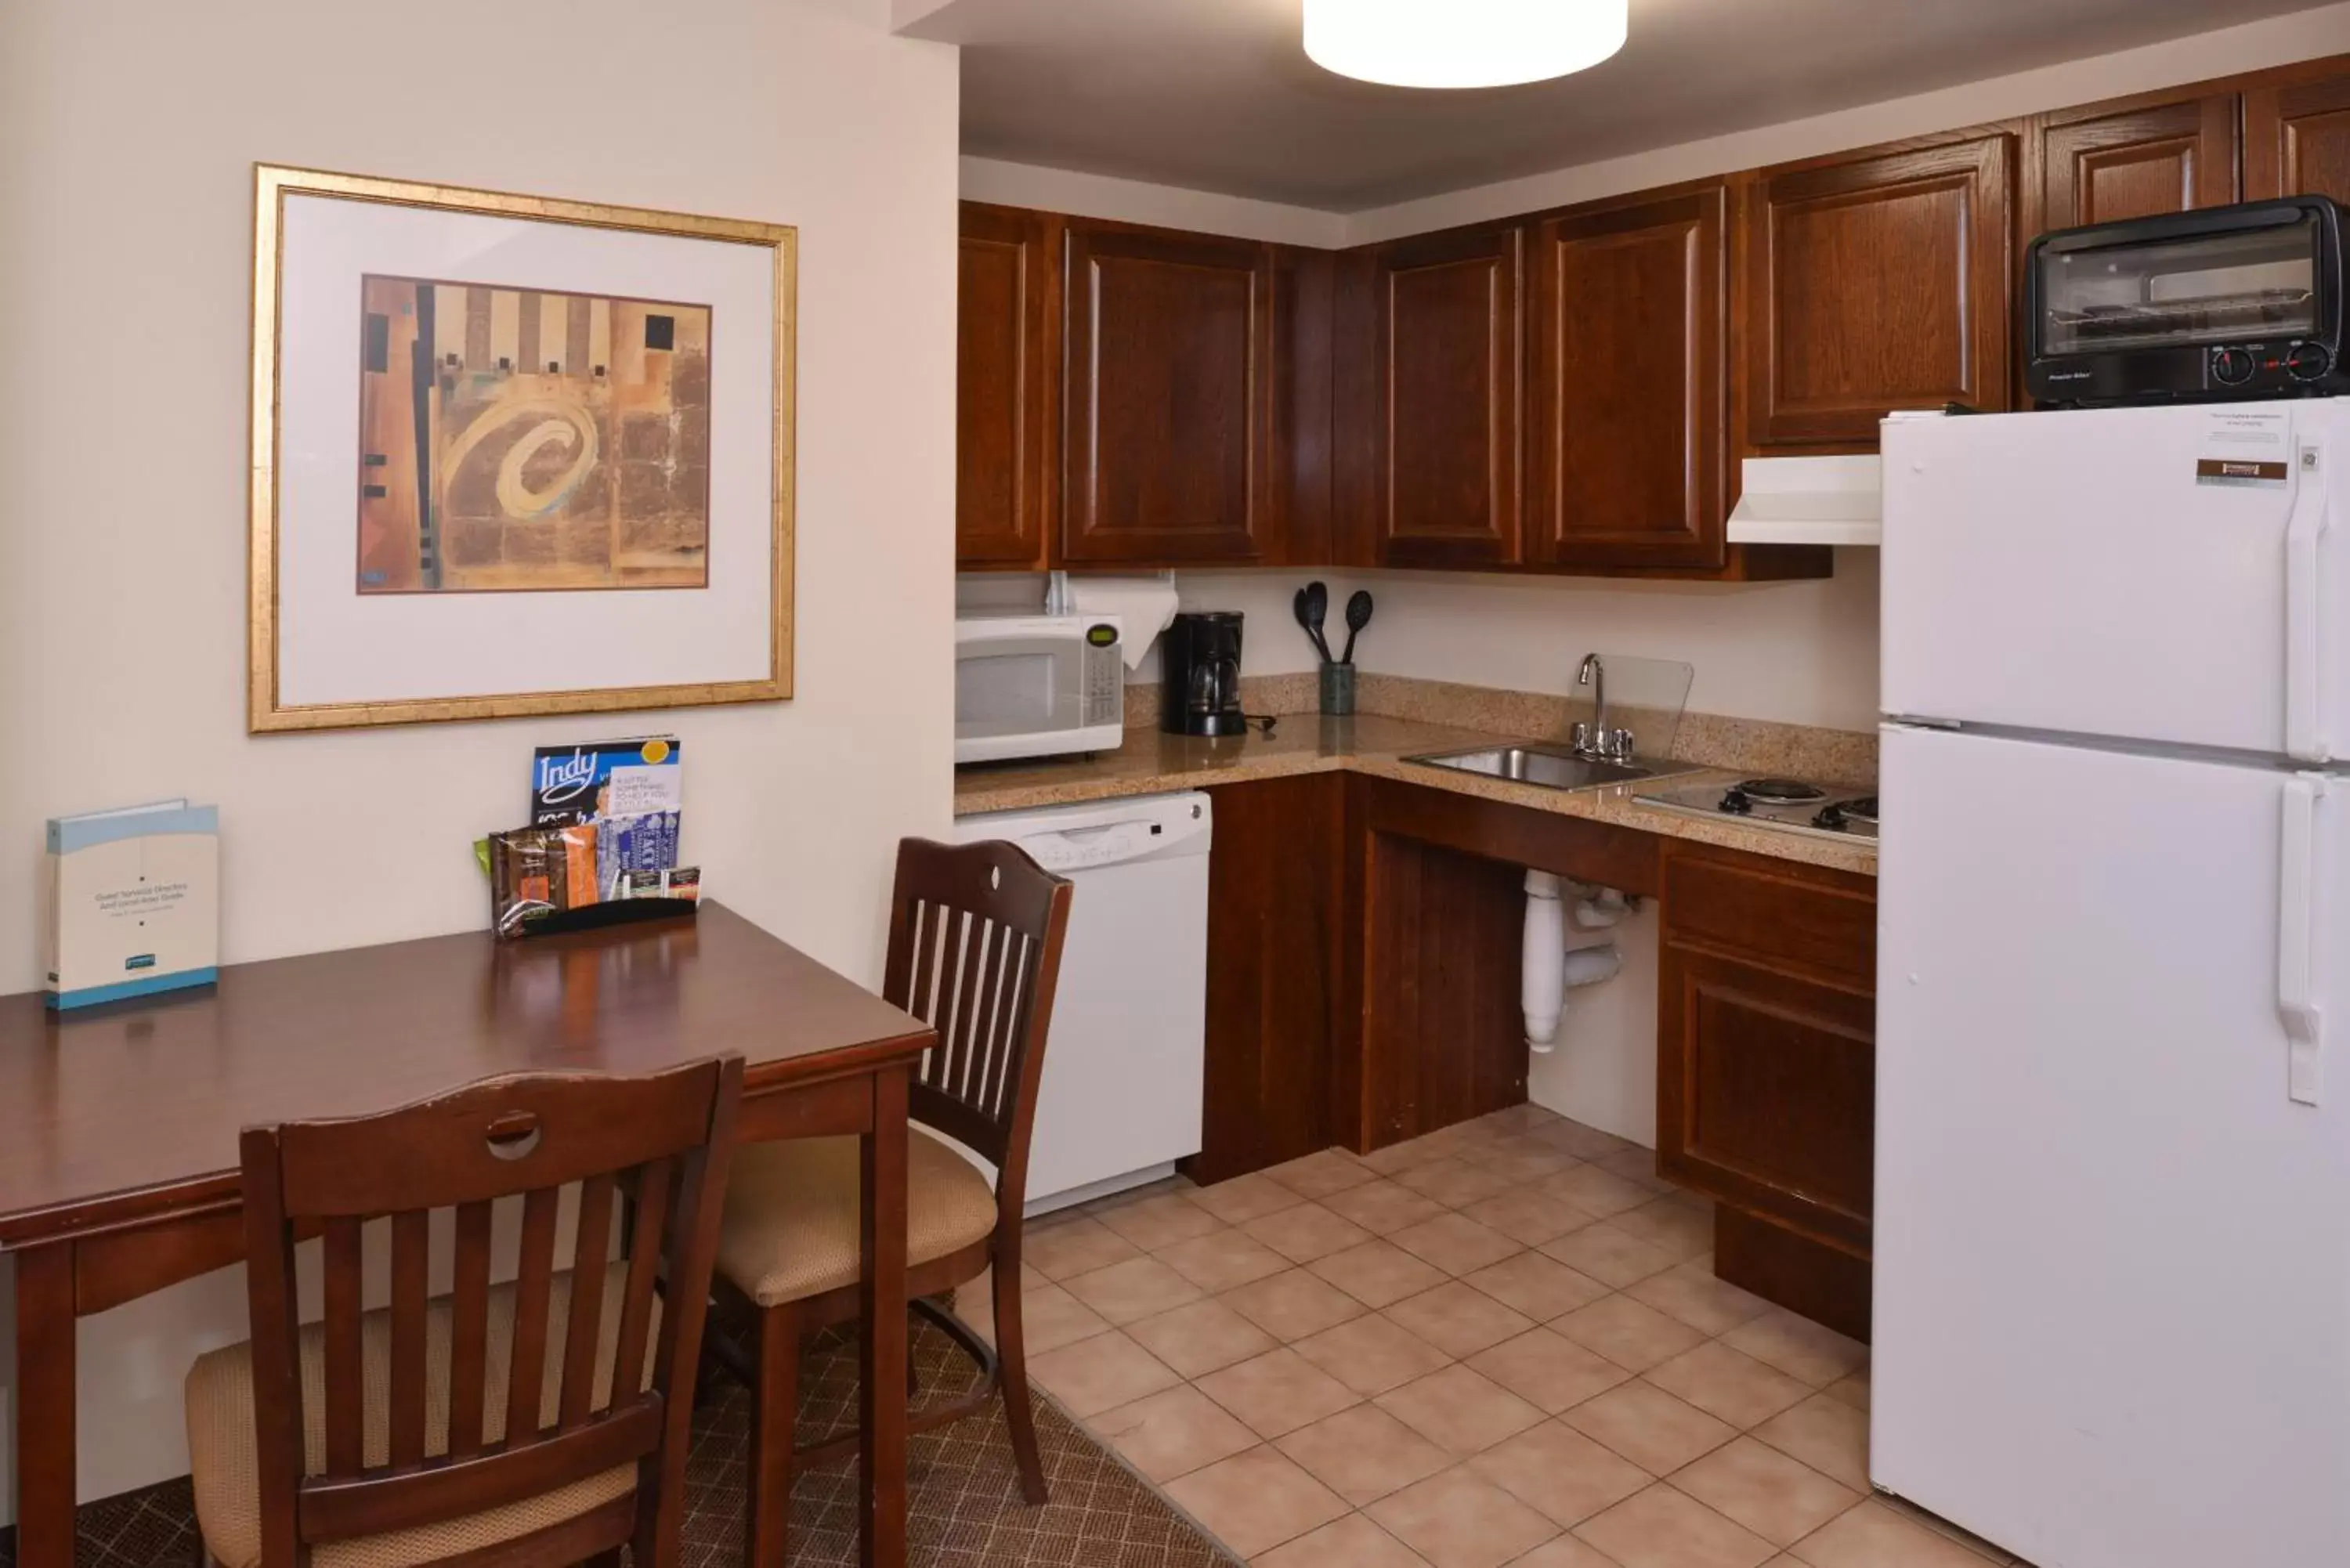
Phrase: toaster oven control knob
(2232, 367)
(2309, 362)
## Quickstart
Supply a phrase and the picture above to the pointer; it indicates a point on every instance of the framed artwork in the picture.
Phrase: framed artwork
(514, 455)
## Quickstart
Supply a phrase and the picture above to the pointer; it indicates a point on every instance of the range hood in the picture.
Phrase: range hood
(1809, 501)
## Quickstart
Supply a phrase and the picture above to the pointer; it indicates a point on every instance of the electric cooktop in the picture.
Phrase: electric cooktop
(1794, 805)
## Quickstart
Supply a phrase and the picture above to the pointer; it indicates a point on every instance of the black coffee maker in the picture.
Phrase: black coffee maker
(1199, 674)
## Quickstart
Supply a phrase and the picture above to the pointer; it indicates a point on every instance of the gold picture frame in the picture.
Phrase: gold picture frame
(267, 712)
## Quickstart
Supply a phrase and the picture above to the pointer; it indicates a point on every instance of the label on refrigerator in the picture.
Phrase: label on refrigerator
(2245, 446)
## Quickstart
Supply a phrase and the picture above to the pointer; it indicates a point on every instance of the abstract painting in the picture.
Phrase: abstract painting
(517, 439)
(514, 455)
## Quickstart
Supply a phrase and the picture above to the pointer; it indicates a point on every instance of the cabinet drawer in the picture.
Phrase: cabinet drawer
(1824, 922)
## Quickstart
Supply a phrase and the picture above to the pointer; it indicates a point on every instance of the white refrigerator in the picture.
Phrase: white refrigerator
(2113, 1118)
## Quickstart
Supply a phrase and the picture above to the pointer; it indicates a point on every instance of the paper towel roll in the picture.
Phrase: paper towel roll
(1145, 607)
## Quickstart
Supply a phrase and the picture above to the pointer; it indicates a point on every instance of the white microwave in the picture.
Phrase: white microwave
(1038, 686)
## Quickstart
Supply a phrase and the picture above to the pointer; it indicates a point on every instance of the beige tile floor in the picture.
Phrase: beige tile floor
(1501, 1344)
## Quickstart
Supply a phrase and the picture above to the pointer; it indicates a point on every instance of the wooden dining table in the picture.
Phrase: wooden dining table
(119, 1125)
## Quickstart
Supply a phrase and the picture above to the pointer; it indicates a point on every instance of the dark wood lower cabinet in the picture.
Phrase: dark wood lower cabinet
(1362, 939)
(1363, 969)
(1767, 1071)
(1824, 1283)
(1442, 892)
(1768, 1089)
(1274, 961)
(1443, 1039)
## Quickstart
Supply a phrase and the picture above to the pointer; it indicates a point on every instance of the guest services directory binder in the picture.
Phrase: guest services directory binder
(130, 902)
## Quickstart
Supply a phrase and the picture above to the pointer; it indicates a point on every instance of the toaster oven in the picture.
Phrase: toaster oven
(2230, 302)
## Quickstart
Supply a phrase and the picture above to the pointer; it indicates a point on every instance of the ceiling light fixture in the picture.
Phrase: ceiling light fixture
(1462, 43)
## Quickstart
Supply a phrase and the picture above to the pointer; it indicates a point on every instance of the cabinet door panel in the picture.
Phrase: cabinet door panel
(1766, 1092)
(1443, 1024)
(2297, 139)
(1273, 953)
(1007, 376)
(1628, 426)
(1170, 396)
(1445, 486)
(2107, 165)
(1876, 283)
(1300, 527)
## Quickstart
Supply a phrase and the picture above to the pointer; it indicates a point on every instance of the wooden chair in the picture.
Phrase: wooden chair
(975, 937)
(542, 1421)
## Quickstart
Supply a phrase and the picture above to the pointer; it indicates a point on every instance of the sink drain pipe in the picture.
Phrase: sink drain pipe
(1550, 967)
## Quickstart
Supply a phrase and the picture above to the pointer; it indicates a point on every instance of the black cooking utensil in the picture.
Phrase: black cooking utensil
(1317, 610)
(1358, 616)
(1297, 605)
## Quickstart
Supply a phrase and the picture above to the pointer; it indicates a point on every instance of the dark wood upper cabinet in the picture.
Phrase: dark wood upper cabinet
(1169, 425)
(1301, 532)
(2297, 134)
(1443, 449)
(2134, 160)
(1007, 387)
(1626, 425)
(1876, 281)
(1567, 391)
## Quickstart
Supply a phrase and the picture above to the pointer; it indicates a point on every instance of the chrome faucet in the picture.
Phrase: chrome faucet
(1595, 741)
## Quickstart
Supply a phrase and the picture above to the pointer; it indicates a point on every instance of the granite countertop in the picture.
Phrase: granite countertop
(1152, 762)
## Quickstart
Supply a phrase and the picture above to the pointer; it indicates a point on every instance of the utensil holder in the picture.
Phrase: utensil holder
(1337, 689)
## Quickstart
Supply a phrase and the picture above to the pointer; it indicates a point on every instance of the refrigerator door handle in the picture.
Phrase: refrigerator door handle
(2298, 945)
(2304, 722)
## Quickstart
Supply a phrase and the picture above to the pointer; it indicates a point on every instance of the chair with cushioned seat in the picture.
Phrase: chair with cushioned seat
(541, 1421)
(975, 936)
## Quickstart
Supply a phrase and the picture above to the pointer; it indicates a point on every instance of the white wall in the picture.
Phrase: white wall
(1799, 653)
(1140, 202)
(128, 131)
(1602, 1068)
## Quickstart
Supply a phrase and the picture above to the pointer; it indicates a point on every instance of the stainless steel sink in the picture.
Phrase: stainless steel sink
(1551, 766)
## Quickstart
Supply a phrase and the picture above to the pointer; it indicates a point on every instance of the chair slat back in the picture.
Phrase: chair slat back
(975, 937)
(553, 1408)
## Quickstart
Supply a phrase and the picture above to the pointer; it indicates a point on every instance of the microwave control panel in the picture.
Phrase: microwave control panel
(1105, 683)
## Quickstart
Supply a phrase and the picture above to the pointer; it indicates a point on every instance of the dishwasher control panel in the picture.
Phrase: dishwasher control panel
(1086, 842)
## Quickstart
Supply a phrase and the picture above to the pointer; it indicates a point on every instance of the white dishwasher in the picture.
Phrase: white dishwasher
(1123, 1085)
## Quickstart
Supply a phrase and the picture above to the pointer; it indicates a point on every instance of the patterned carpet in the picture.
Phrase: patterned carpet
(965, 1508)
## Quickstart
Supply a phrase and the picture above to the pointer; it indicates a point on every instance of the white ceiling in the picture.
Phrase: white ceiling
(1216, 95)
